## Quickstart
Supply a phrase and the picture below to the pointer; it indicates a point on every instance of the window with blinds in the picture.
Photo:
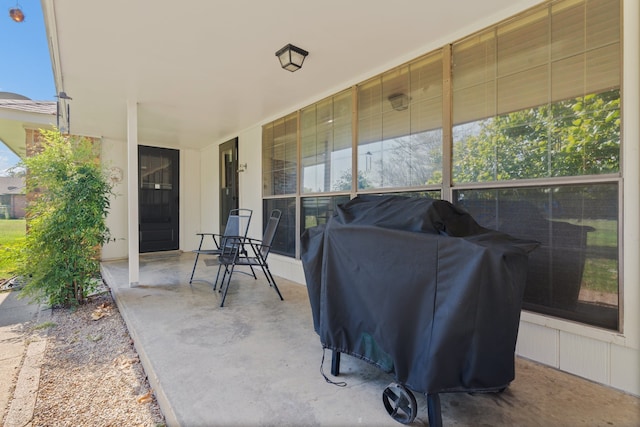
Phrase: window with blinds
(400, 126)
(280, 156)
(538, 97)
(326, 144)
(527, 92)
(284, 242)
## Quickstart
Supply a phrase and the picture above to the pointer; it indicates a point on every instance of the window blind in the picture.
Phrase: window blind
(565, 50)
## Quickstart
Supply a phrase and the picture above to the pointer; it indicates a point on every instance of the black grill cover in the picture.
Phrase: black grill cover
(418, 288)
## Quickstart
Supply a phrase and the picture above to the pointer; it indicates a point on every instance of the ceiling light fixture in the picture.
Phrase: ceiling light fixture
(16, 13)
(291, 57)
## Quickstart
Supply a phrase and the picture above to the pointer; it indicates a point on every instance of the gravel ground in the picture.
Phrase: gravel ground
(91, 375)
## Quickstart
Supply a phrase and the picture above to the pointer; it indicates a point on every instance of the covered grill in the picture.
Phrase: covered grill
(416, 287)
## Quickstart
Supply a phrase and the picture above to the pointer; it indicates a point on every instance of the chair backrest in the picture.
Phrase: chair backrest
(270, 232)
(237, 223)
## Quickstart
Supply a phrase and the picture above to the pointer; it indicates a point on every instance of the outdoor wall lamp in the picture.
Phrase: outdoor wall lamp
(16, 13)
(291, 57)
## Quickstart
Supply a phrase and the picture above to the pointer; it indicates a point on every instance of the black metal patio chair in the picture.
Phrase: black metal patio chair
(236, 228)
(238, 254)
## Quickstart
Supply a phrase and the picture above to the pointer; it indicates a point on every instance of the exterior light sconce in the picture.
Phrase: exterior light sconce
(16, 13)
(242, 167)
(399, 101)
(63, 112)
(291, 57)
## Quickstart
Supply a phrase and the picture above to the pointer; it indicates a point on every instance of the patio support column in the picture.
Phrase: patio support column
(132, 191)
(630, 167)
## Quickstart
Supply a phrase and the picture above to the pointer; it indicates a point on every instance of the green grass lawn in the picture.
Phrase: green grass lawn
(601, 263)
(12, 231)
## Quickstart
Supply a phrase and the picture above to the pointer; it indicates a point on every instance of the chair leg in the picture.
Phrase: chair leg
(226, 288)
(194, 268)
(195, 263)
(244, 252)
(215, 284)
(271, 280)
(224, 277)
(253, 272)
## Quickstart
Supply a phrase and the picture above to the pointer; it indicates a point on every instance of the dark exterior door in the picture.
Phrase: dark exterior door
(158, 198)
(229, 193)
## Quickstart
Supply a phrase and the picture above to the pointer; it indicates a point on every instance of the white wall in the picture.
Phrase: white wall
(190, 198)
(114, 155)
(209, 187)
(249, 152)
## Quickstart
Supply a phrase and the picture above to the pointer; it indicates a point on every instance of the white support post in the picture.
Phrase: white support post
(132, 190)
(630, 168)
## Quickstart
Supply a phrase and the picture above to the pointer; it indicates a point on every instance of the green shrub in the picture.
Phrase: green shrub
(69, 200)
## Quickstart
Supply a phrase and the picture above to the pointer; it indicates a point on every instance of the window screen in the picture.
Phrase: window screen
(284, 242)
(574, 272)
(318, 210)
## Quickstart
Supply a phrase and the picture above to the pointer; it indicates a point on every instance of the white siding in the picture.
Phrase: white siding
(190, 199)
(209, 188)
(250, 181)
(625, 369)
(538, 343)
(584, 357)
(114, 155)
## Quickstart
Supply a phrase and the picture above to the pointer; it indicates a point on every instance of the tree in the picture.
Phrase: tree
(580, 136)
(415, 160)
(69, 200)
(343, 183)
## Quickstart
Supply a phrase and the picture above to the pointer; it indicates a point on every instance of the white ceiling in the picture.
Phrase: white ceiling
(203, 70)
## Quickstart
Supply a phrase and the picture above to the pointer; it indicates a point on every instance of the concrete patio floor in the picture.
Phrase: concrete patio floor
(257, 361)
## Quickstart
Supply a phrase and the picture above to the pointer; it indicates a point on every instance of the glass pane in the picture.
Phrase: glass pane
(603, 23)
(602, 68)
(567, 30)
(562, 51)
(585, 137)
(524, 89)
(432, 194)
(284, 242)
(400, 137)
(522, 43)
(156, 172)
(279, 156)
(317, 210)
(580, 136)
(326, 145)
(574, 272)
(567, 77)
(474, 59)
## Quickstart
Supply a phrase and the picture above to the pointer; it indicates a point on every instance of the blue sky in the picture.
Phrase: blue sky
(27, 67)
